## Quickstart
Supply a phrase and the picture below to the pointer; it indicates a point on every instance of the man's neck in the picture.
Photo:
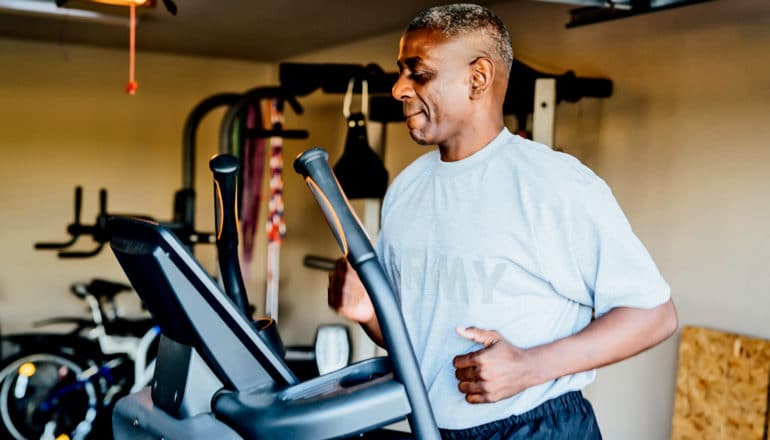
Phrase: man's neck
(469, 142)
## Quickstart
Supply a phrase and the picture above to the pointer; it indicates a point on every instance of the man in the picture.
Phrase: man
(500, 249)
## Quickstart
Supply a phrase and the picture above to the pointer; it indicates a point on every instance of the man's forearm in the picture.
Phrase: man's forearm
(619, 334)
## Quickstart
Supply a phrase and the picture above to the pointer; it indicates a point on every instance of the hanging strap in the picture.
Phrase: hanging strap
(253, 166)
(348, 100)
(276, 227)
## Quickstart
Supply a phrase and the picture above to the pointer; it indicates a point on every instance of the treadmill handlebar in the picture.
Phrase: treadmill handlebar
(355, 244)
(350, 235)
(225, 170)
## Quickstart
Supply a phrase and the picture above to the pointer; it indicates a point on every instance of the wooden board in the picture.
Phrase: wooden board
(721, 386)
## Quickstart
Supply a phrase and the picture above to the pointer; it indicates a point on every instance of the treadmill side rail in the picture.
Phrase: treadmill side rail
(135, 417)
(354, 400)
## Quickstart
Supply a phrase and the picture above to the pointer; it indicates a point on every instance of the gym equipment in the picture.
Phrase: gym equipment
(360, 170)
(224, 168)
(183, 220)
(98, 230)
(331, 346)
(301, 79)
(54, 384)
(235, 386)
(305, 361)
(254, 96)
(184, 199)
(276, 133)
(357, 248)
(252, 155)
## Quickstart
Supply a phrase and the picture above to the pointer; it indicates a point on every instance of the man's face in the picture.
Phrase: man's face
(434, 85)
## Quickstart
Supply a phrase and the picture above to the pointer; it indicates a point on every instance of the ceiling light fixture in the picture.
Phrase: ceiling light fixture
(38, 8)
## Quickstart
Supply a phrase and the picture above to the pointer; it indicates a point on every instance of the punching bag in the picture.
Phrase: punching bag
(360, 170)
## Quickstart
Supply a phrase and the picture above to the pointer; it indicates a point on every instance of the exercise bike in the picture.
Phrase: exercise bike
(216, 377)
(54, 384)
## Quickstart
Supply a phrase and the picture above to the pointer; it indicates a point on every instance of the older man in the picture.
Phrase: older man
(500, 250)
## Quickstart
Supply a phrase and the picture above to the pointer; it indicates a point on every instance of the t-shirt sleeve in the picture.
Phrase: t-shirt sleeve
(589, 253)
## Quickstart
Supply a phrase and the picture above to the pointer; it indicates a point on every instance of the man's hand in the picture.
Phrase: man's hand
(500, 370)
(347, 294)
(348, 297)
(497, 371)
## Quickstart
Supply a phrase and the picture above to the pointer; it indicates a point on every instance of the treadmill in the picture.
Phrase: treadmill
(217, 377)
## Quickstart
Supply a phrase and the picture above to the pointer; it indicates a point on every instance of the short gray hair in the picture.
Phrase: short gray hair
(464, 19)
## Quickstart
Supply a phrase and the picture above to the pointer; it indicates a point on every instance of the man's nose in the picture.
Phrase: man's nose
(402, 89)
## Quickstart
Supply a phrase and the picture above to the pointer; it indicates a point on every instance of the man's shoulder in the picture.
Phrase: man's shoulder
(546, 170)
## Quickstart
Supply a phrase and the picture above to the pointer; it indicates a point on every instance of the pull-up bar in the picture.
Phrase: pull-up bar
(302, 79)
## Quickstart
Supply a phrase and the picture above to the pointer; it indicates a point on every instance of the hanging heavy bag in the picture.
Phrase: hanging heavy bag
(360, 170)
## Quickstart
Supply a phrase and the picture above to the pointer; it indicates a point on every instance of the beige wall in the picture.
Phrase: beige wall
(303, 291)
(683, 142)
(64, 121)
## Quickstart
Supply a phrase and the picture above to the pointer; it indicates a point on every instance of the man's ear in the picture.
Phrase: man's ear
(482, 76)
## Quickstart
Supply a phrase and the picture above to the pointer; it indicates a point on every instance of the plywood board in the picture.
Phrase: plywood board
(721, 386)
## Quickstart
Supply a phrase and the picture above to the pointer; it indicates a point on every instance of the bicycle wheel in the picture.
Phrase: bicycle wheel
(46, 395)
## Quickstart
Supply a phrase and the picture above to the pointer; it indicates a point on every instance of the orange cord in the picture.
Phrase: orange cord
(132, 84)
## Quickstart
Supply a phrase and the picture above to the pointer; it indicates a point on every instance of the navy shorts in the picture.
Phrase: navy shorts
(567, 417)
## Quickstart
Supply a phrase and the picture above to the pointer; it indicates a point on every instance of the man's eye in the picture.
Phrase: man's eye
(420, 76)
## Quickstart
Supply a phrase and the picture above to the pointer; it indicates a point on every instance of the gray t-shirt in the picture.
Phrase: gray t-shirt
(516, 238)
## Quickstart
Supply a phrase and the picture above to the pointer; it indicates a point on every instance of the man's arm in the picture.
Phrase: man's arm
(501, 370)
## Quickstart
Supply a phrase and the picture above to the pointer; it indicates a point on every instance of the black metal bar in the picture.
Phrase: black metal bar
(304, 78)
(592, 15)
(184, 199)
(190, 130)
(252, 96)
(286, 134)
(76, 221)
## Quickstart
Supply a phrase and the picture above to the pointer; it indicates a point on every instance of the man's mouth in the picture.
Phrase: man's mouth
(412, 114)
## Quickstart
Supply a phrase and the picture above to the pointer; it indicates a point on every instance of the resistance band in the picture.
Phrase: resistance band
(276, 227)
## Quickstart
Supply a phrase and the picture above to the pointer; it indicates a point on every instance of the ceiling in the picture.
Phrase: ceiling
(257, 30)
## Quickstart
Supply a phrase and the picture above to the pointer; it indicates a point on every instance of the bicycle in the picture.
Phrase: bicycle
(63, 385)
